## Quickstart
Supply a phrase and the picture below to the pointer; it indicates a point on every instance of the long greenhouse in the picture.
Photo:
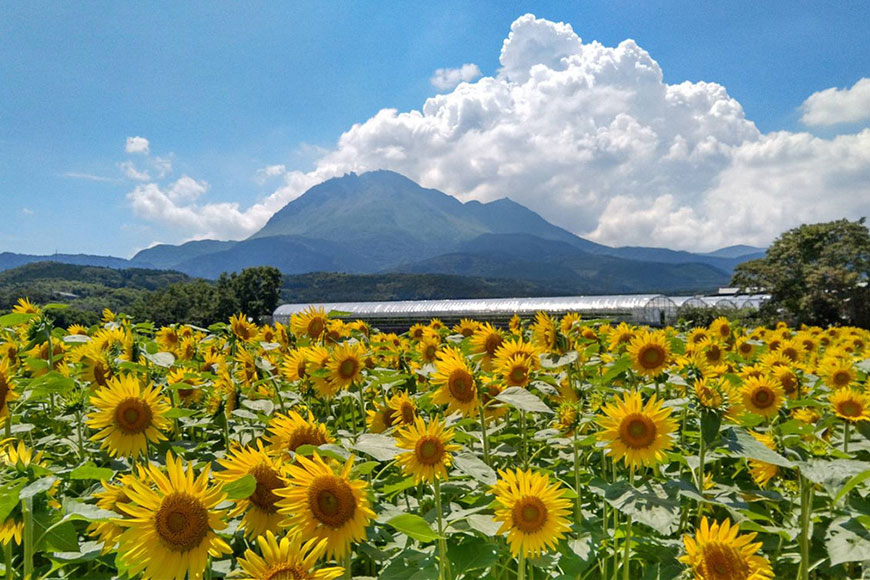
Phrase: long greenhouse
(651, 309)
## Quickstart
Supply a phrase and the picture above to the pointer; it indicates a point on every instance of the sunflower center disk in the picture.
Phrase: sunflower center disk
(652, 357)
(305, 435)
(429, 450)
(850, 409)
(133, 416)
(460, 385)
(181, 522)
(518, 375)
(842, 378)
(408, 413)
(493, 341)
(267, 480)
(529, 514)
(286, 572)
(331, 501)
(637, 431)
(315, 327)
(721, 562)
(762, 398)
(347, 369)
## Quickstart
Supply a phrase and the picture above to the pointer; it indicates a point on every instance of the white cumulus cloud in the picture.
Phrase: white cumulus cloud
(591, 138)
(130, 171)
(445, 79)
(137, 145)
(833, 106)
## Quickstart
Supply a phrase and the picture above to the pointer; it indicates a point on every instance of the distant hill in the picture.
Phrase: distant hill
(10, 260)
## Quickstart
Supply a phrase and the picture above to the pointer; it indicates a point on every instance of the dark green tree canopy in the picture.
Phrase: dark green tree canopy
(815, 274)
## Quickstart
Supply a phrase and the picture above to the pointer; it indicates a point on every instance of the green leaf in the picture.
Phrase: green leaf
(850, 485)
(264, 406)
(483, 524)
(471, 554)
(161, 359)
(413, 526)
(553, 362)
(177, 413)
(61, 537)
(41, 485)
(847, 541)
(710, 423)
(616, 369)
(241, 488)
(14, 319)
(649, 504)
(395, 488)
(49, 384)
(742, 444)
(90, 471)
(381, 447)
(523, 400)
(9, 497)
(85, 511)
(832, 475)
(470, 464)
(364, 468)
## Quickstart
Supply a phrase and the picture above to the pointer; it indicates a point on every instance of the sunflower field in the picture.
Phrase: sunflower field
(553, 448)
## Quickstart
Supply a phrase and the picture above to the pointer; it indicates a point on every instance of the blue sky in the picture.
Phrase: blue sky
(222, 90)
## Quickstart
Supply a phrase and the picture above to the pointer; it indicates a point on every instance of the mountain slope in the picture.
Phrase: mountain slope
(531, 258)
(10, 260)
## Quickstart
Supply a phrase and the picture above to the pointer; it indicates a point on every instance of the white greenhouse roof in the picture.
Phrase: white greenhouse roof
(483, 306)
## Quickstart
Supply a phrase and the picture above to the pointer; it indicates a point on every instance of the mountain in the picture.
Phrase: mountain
(381, 221)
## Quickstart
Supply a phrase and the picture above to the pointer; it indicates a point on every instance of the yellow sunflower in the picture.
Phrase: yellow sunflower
(515, 371)
(430, 450)
(170, 531)
(260, 508)
(293, 368)
(25, 306)
(717, 552)
(763, 472)
(287, 559)
(320, 504)
(486, 341)
(466, 327)
(709, 393)
(721, 328)
(850, 405)
(837, 372)
(108, 531)
(128, 416)
(310, 322)
(787, 379)
(544, 331)
(762, 396)
(532, 510)
(650, 353)
(455, 382)
(346, 365)
(428, 348)
(637, 433)
(622, 335)
(7, 392)
(291, 431)
(167, 337)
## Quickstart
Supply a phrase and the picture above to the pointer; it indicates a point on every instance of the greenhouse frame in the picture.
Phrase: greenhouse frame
(649, 309)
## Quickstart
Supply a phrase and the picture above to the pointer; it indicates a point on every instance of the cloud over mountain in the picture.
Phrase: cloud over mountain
(594, 140)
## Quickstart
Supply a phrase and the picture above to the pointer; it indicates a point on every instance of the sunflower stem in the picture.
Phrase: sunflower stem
(806, 501)
(702, 452)
(27, 512)
(846, 435)
(443, 562)
(521, 566)
(578, 504)
(626, 556)
(483, 436)
(523, 432)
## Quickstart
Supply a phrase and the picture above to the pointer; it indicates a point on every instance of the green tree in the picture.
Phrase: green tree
(258, 290)
(815, 274)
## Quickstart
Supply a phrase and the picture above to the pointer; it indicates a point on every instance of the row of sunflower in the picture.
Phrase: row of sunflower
(553, 447)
